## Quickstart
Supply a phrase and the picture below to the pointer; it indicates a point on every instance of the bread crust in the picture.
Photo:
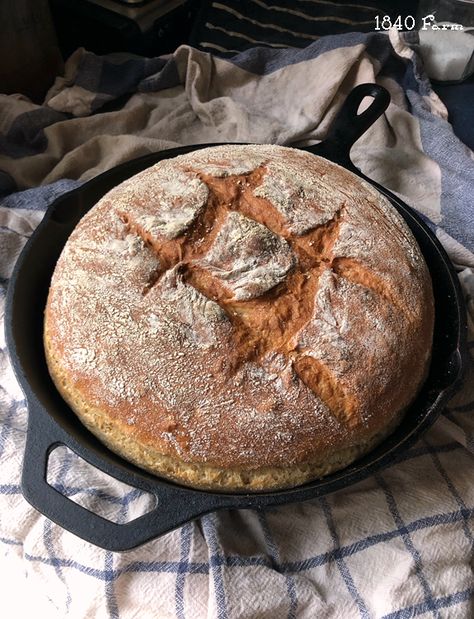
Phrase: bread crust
(240, 318)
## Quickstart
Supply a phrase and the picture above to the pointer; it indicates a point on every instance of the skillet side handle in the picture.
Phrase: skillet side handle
(174, 505)
(348, 125)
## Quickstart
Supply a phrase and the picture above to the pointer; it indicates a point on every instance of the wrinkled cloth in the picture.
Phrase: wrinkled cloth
(397, 544)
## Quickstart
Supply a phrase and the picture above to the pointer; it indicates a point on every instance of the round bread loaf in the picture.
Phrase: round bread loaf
(240, 318)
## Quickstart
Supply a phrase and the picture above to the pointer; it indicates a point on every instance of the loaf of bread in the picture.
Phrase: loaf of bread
(240, 318)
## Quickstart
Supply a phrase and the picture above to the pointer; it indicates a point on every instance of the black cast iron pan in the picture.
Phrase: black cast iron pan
(52, 423)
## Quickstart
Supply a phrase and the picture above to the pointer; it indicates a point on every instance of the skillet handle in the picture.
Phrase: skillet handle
(348, 125)
(174, 505)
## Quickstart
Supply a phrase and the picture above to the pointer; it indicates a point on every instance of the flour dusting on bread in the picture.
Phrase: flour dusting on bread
(240, 317)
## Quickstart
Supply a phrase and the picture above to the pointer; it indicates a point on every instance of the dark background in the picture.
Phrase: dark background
(197, 22)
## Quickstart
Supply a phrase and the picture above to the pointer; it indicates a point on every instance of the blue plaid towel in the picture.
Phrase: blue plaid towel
(400, 543)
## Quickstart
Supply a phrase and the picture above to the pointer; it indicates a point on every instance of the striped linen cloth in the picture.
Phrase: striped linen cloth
(396, 545)
(231, 26)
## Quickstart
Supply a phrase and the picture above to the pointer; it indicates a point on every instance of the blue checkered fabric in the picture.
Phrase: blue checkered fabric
(396, 545)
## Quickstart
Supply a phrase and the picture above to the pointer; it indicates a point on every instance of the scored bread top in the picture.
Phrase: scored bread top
(242, 306)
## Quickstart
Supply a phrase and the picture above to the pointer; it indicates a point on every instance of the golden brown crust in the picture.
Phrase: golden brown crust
(205, 476)
(240, 318)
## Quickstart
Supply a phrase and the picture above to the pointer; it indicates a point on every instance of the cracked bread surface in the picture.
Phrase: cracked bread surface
(240, 318)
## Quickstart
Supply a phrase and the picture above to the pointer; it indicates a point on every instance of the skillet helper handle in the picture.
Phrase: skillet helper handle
(174, 506)
(348, 125)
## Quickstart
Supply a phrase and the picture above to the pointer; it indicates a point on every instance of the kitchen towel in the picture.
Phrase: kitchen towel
(398, 544)
(231, 26)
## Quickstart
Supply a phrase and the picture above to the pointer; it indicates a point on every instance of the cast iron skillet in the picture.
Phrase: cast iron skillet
(52, 423)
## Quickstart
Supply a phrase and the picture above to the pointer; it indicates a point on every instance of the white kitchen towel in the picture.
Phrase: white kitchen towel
(398, 544)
